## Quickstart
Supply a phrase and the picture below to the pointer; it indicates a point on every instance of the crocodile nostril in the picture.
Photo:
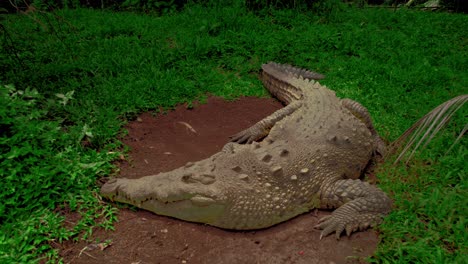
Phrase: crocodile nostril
(188, 178)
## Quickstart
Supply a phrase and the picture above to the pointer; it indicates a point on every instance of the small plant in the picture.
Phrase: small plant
(42, 169)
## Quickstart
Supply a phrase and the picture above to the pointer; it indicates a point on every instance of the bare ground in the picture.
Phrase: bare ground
(166, 141)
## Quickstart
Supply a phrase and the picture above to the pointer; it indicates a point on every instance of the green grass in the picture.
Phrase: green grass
(71, 79)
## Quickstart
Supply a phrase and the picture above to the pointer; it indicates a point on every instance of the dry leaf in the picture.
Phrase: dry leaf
(188, 126)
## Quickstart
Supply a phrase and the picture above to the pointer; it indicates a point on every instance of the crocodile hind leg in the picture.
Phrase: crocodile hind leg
(359, 206)
(262, 128)
(275, 79)
(359, 111)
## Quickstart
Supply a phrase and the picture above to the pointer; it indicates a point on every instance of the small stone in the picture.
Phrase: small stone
(304, 171)
(267, 185)
(189, 164)
(325, 155)
(293, 177)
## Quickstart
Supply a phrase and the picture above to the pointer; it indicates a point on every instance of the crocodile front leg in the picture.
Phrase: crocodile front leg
(262, 128)
(360, 205)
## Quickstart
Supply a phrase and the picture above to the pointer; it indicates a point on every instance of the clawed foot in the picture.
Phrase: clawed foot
(249, 135)
(338, 223)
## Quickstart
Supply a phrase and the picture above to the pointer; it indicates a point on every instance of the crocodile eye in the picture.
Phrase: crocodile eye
(205, 179)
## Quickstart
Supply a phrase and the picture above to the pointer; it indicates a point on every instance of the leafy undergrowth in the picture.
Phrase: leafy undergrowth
(80, 74)
(44, 171)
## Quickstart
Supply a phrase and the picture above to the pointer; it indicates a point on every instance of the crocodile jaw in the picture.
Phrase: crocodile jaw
(190, 202)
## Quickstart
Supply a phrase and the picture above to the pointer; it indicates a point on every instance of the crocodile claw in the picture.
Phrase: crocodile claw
(329, 224)
(249, 135)
(335, 224)
(242, 138)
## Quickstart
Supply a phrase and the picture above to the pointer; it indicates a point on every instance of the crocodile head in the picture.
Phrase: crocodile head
(227, 190)
(181, 193)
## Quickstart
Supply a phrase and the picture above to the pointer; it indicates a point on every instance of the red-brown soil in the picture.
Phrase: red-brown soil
(167, 141)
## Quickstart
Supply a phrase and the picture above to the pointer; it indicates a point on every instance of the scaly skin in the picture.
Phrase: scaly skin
(312, 153)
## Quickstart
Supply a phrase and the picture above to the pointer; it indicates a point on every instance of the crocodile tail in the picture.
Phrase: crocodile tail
(277, 79)
(306, 74)
(424, 130)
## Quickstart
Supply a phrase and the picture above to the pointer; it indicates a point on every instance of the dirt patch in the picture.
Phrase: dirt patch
(165, 142)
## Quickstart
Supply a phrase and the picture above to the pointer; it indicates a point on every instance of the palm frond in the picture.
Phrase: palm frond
(424, 130)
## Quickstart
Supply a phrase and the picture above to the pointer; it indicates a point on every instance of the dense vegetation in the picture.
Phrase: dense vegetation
(71, 78)
(169, 6)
